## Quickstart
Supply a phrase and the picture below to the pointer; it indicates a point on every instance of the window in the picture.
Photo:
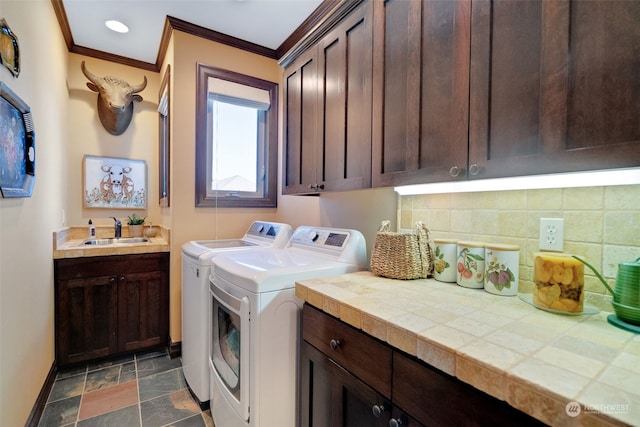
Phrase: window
(236, 140)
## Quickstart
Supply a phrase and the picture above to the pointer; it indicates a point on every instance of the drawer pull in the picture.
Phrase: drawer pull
(334, 344)
(377, 410)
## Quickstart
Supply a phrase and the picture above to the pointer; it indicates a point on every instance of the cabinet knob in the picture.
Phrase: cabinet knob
(474, 169)
(454, 171)
(377, 410)
(393, 422)
(312, 186)
(334, 344)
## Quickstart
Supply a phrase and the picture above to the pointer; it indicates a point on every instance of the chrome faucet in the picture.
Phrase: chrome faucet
(118, 226)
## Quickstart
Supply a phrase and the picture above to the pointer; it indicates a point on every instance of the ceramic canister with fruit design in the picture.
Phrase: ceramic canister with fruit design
(445, 251)
(502, 269)
(470, 265)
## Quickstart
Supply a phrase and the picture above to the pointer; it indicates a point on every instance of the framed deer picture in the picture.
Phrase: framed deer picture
(113, 182)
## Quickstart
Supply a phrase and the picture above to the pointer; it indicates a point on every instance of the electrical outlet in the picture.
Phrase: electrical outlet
(552, 234)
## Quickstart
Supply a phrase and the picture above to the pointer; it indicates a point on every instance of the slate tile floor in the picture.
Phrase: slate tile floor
(146, 390)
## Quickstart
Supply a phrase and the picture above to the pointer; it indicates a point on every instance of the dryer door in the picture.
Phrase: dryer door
(229, 351)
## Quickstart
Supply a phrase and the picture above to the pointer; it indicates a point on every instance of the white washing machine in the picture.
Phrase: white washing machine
(196, 264)
(255, 320)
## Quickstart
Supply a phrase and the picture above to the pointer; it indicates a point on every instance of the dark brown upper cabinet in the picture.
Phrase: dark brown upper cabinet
(481, 89)
(421, 91)
(328, 109)
(554, 86)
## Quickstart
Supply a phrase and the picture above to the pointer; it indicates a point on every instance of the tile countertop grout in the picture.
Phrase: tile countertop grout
(539, 362)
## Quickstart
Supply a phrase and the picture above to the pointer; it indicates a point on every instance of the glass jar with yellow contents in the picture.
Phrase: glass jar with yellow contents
(558, 282)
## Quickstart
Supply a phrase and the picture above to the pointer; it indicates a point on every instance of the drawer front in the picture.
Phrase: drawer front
(352, 349)
(436, 399)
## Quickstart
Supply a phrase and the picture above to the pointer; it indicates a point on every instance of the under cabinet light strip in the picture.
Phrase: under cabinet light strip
(561, 180)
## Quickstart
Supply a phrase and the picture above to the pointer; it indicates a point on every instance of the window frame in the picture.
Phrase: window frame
(270, 161)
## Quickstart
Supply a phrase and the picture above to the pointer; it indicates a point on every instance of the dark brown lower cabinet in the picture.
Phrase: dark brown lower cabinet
(331, 394)
(109, 305)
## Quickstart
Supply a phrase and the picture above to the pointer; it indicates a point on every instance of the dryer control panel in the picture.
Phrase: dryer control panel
(320, 237)
(342, 244)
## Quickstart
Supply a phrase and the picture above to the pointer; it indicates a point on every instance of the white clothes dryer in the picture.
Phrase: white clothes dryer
(196, 264)
(255, 319)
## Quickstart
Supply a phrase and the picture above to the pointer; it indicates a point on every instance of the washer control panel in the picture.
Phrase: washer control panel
(268, 230)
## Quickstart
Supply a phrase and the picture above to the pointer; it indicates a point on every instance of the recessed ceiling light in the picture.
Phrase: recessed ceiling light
(116, 26)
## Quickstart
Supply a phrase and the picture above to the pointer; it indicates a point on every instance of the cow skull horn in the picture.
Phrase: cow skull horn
(92, 77)
(140, 87)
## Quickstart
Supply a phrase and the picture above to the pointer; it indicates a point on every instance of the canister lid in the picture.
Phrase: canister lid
(502, 247)
(471, 244)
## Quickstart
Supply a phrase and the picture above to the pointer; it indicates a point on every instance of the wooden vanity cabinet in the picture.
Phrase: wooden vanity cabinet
(110, 304)
(327, 118)
(348, 378)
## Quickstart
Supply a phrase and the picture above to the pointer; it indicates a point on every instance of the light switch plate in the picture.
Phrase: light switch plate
(552, 234)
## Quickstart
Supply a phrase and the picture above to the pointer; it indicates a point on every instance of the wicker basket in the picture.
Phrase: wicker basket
(402, 255)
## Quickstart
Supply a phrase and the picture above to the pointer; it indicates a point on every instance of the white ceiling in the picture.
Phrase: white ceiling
(267, 23)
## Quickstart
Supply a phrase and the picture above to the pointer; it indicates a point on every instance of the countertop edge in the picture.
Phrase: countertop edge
(68, 243)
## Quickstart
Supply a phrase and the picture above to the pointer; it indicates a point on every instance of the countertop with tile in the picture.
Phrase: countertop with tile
(539, 362)
(69, 242)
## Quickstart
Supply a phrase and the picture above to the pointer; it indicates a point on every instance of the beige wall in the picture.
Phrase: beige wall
(88, 137)
(602, 224)
(26, 267)
(186, 221)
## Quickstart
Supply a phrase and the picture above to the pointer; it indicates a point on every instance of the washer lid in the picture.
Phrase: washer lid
(260, 233)
(196, 248)
(267, 270)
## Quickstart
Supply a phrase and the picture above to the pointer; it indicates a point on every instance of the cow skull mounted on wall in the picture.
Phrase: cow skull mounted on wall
(115, 100)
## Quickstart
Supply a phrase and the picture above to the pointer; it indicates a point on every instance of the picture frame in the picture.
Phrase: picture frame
(17, 146)
(9, 48)
(114, 183)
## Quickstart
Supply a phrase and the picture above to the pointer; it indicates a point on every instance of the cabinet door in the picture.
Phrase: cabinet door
(143, 306)
(344, 86)
(331, 396)
(300, 124)
(86, 318)
(554, 86)
(421, 91)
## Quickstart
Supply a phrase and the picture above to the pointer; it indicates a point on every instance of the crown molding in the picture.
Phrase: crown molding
(171, 23)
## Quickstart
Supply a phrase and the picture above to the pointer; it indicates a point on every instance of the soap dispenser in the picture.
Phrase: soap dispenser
(92, 230)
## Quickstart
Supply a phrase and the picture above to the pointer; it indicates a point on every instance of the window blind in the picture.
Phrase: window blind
(238, 94)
